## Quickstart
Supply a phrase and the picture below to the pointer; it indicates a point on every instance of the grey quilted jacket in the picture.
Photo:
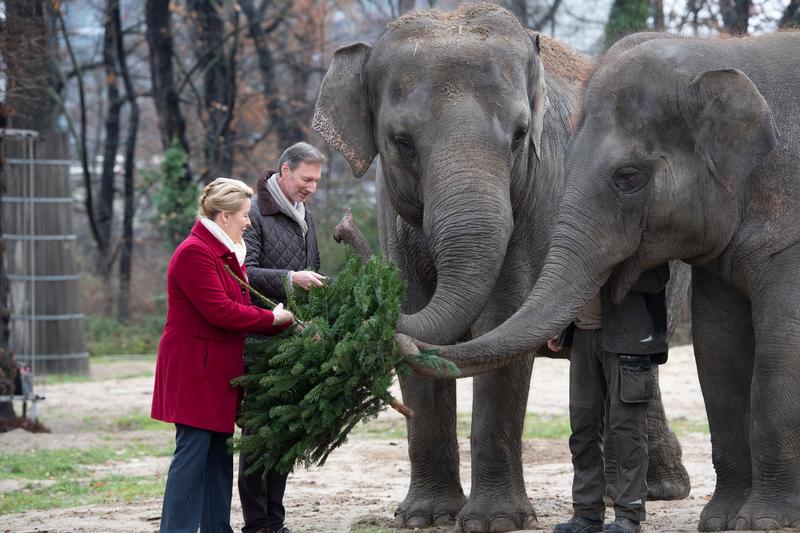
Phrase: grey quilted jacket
(275, 245)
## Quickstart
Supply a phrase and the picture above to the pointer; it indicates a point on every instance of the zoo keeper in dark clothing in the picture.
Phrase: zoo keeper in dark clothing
(614, 350)
(281, 249)
(200, 351)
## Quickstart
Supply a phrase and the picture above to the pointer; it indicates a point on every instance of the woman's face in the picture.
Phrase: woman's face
(234, 224)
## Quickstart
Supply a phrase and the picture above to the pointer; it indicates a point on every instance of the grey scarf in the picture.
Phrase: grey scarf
(296, 212)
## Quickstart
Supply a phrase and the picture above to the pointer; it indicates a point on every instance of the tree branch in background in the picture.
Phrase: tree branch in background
(105, 205)
(735, 15)
(548, 17)
(279, 111)
(165, 95)
(81, 140)
(791, 16)
(126, 255)
(658, 15)
(218, 66)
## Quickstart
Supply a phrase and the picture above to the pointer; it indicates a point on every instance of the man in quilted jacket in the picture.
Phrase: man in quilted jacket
(281, 253)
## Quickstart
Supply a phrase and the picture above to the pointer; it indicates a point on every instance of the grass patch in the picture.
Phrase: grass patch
(683, 426)
(537, 426)
(76, 492)
(62, 478)
(60, 379)
(132, 422)
(108, 336)
(373, 524)
(68, 463)
(141, 422)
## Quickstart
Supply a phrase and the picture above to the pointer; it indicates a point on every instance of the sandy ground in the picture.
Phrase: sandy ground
(364, 479)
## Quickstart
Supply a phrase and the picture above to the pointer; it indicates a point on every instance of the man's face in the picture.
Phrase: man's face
(299, 184)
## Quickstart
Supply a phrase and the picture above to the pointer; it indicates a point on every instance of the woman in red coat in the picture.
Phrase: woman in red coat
(200, 352)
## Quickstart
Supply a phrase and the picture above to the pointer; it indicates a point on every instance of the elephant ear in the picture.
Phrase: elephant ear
(342, 114)
(538, 91)
(735, 127)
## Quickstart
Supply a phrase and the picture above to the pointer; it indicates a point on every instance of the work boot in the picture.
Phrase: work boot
(621, 525)
(579, 524)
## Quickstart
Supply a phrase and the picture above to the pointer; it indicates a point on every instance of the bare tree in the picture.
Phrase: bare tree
(658, 15)
(165, 93)
(263, 31)
(126, 256)
(216, 59)
(791, 16)
(735, 15)
(105, 205)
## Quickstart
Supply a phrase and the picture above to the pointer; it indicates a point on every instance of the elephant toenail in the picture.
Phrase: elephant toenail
(502, 523)
(766, 524)
(444, 519)
(741, 524)
(472, 525)
(417, 522)
(713, 524)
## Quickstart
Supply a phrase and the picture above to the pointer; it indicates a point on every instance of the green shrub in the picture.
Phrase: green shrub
(108, 336)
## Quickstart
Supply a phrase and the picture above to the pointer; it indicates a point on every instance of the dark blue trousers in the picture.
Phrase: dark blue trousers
(199, 483)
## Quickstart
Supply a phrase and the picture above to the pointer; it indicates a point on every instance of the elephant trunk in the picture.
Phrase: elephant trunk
(577, 265)
(468, 225)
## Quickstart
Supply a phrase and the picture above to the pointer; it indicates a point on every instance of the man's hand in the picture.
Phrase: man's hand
(282, 316)
(305, 279)
(553, 344)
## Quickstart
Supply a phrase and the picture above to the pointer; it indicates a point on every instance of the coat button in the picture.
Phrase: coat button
(244, 291)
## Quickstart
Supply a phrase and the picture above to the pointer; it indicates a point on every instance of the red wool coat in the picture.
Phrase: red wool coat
(202, 346)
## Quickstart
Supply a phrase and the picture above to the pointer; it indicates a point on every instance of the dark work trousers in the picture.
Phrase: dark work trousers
(262, 498)
(199, 483)
(599, 381)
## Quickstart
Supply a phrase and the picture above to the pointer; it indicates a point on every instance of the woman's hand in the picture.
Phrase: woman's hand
(282, 316)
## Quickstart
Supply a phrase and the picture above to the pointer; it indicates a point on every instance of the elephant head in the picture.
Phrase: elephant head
(454, 105)
(658, 169)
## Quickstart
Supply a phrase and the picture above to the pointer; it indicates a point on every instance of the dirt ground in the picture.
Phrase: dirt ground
(365, 479)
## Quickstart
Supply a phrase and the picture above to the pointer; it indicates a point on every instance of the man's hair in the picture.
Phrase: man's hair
(301, 152)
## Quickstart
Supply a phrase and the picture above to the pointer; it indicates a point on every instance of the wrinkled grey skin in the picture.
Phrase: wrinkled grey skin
(690, 149)
(456, 110)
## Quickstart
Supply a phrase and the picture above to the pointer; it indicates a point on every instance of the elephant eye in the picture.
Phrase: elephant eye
(519, 137)
(630, 179)
(405, 145)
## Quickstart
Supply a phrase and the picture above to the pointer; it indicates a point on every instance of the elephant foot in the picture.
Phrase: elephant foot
(767, 516)
(675, 486)
(421, 510)
(720, 513)
(496, 514)
(667, 478)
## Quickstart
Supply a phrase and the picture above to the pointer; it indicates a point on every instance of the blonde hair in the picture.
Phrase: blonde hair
(223, 195)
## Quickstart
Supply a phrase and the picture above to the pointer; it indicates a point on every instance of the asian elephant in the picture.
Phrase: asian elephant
(470, 115)
(690, 149)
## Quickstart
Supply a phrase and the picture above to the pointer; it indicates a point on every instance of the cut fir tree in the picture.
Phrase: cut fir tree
(308, 387)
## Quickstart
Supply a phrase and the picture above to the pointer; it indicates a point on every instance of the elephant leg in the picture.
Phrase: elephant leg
(434, 494)
(667, 478)
(774, 425)
(724, 346)
(498, 501)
